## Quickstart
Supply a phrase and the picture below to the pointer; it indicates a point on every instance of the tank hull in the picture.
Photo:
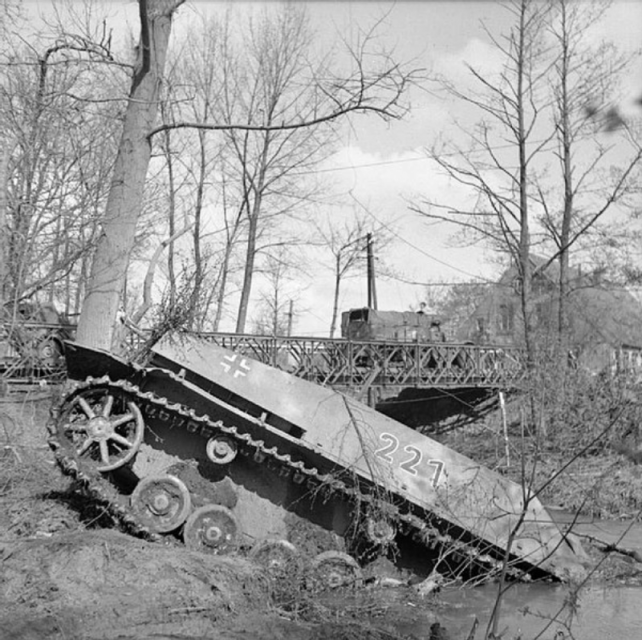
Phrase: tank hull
(334, 460)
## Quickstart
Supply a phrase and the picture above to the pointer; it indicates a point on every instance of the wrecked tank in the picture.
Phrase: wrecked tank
(202, 445)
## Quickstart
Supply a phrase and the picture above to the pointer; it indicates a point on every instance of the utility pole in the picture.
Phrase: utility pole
(372, 289)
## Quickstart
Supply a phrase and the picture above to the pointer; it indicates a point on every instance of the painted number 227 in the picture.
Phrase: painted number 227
(411, 460)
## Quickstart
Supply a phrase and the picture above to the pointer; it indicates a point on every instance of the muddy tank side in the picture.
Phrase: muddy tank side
(379, 450)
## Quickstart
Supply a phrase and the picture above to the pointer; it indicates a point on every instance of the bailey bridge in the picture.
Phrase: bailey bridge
(369, 370)
(376, 370)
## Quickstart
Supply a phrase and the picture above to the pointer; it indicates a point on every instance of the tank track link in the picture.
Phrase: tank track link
(116, 504)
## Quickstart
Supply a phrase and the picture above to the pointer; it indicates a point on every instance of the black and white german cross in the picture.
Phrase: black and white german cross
(235, 365)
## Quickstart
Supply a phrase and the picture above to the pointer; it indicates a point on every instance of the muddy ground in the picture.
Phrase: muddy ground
(67, 573)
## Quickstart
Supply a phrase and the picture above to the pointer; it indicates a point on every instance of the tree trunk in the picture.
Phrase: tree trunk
(227, 256)
(253, 230)
(199, 268)
(524, 248)
(567, 215)
(4, 232)
(250, 258)
(109, 268)
(171, 203)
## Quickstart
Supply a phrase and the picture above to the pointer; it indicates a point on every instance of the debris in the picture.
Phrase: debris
(431, 584)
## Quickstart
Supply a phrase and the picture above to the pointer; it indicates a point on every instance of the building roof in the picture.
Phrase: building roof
(598, 313)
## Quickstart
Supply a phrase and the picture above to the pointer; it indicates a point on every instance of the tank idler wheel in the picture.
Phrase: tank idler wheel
(334, 569)
(212, 529)
(161, 503)
(277, 556)
(221, 449)
(103, 426)
(379, 531)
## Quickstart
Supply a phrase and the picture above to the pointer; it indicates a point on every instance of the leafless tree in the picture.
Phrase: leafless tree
(124, 202)
(584, 80)
(547, 185)
(275, 316)
(267, 79)
(346, 242)
(53, 109)
(366, 89)
(501, 175)
(203, 184)
(534, 122)
(281, 112)
(5, 145)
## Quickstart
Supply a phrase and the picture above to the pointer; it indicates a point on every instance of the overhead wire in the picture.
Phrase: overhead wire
(446, 154)
(415, 247)
(479, 279)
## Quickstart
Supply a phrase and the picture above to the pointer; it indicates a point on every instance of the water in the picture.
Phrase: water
(537, 611)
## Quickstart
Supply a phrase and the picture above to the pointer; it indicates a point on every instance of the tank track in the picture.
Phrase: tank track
(116, 504)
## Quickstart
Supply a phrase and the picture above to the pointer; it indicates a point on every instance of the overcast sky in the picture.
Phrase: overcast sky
(387, 160)
(383, 165)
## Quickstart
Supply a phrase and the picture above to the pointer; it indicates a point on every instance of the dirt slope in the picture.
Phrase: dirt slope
(66, 574)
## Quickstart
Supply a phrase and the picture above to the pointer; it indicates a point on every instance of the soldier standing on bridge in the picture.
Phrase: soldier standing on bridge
(436, 334)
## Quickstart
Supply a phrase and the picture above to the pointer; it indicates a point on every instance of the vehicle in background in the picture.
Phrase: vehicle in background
(32, 339)
(398, 326)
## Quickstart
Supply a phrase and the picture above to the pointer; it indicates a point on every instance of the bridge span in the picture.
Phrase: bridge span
(376, 370)
(372, 371)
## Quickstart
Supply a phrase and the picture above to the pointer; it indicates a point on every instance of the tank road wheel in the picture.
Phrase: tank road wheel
(380, 532)
(221, 449)
(277, 556)
(49, 354)
(161, 503)
(212, 529)
(333, 569)
(103, 426)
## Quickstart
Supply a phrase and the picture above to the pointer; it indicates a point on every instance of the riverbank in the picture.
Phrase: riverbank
(67, 574)
(595, 482)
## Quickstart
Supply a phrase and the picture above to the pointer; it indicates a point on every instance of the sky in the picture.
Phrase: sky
(383, 166)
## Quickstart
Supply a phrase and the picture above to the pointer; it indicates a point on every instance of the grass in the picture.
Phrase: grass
(602, 484)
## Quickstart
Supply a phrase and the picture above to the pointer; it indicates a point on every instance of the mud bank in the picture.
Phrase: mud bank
(108, 585)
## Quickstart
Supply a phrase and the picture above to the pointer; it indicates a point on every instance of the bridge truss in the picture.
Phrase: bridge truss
(357, 367)
(354, 367)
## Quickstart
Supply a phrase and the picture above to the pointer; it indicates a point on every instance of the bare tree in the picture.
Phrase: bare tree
(346, 242)
(278, 297)
(4, 229)
(269, 82)
(366, 90)
(200, 169)
(278, 115)
(5, 145)
(53, 109)
(194, 83)
(584, 79)
(524, 202)
(124, 203)
(512, 105)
